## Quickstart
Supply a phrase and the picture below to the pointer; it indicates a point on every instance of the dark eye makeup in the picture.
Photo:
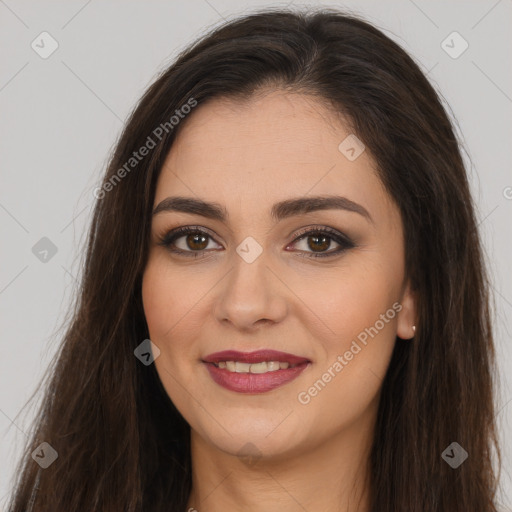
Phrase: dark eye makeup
(320, 235)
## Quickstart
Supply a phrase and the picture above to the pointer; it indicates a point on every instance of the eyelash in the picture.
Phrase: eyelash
(345, 243)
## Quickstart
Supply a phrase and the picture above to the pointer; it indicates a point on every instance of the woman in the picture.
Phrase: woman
(284, 293)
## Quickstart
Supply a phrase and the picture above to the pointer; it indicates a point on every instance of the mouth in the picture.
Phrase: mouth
(254, 372)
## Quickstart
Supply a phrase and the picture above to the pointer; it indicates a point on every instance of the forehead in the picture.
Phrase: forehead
(271, 124)
(265, 149)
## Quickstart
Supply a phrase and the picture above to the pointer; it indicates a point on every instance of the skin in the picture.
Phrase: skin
(246, 156)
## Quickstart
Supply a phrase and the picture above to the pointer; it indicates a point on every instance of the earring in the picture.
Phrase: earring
(413, 329)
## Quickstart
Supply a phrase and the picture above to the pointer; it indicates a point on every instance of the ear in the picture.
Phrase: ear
(407, 315)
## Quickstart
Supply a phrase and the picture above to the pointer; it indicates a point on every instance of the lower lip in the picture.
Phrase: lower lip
(254, 382)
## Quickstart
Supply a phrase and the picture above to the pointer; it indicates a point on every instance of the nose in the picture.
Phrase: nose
(251, 295)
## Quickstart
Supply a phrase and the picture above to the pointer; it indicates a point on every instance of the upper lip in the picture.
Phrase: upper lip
(254, 357)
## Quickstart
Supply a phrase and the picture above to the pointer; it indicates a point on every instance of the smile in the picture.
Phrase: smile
(254, 372)
(263, 367)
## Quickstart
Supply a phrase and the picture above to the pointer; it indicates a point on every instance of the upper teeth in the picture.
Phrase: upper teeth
(265, 366)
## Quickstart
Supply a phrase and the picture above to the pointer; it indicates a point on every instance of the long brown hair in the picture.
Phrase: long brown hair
(121, 443)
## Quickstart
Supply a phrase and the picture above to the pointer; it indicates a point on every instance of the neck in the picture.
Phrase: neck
(330, 477)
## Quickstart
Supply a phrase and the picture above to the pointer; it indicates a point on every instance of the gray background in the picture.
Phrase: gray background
(60, 116)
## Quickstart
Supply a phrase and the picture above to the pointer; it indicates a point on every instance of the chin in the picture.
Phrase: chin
(265, 439)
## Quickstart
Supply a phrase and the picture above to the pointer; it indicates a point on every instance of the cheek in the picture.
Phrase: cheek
(168, 309)
(166, 304)
(354, 300)
(157, 298)
(168, 298)
(176, 307)
(358, 308)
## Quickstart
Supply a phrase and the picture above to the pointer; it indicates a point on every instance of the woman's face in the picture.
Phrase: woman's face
(253, 280)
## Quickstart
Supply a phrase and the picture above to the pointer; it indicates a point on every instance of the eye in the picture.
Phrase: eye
(195, 241)
(319, 239)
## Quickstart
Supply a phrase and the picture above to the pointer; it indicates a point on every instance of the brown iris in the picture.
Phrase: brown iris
(197, 241)
(324, 244)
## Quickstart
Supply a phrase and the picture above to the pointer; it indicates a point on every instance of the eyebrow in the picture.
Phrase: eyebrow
(279, 211)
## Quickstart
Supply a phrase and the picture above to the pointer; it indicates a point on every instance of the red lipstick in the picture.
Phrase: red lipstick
(250, 381)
